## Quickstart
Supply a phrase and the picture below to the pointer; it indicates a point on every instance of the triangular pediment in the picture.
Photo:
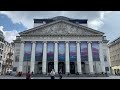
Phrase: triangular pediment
(61, 27)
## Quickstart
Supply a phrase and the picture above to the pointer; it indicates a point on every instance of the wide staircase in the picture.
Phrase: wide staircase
(73, 75)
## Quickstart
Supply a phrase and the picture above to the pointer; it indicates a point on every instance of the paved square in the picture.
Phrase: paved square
(12, 77)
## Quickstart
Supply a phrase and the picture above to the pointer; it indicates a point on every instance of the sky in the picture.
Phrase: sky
(13, 22)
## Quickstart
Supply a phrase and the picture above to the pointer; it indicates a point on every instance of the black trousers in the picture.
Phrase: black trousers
(60, 76)
(52, 77)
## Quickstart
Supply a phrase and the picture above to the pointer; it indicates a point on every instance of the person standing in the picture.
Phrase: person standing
(60, 74)
(52, 73)
(28, 76)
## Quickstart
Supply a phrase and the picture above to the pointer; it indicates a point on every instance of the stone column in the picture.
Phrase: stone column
(67, 60)
(108, 56)
(101, 57)
(32, 66)
(90, 58)
(56, 58)
(44, 61)
(20, 68)
(78, 58)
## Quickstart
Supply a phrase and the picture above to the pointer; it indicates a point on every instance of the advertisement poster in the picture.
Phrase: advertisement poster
(50, 51)
(84, 51)
(39, 51)
(73, 51)
(95, 51)
(61, 51)
(27, 51)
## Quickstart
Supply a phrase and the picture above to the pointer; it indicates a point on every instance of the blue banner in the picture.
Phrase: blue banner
(95, 51)
(50, 51)
(39, 51)
(73, 51)
(27, 51)
(84, 51)
(61, 51)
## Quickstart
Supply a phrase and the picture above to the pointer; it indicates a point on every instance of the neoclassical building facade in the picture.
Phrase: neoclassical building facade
(61, 43)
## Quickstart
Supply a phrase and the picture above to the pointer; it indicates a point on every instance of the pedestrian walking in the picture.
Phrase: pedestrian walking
(60, 74)
(52, 73)
(28, 76)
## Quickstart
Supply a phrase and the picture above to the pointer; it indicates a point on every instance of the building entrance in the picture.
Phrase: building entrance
(61, 66)
(72, 67)
(39, 71)
(50, 66)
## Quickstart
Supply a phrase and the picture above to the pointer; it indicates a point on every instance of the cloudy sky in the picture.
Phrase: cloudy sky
(13, 22)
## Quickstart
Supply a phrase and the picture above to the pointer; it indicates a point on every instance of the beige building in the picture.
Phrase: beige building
(7, 57)
(114, 49)
(6, 49)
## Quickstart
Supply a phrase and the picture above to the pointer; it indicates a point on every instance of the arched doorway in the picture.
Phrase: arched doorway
(50, 66)
(72, 67)
(61, 65)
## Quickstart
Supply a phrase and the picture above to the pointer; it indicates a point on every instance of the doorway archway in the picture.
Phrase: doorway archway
(61, 65)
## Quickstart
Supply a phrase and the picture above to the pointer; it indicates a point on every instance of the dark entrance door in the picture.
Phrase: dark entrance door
(72, 67)
(39, 68)
(83, 67)
(61, 65)
(50, 66)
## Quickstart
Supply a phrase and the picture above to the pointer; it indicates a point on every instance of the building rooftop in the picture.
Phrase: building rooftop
(80, 21)
(117, 40)
(1, 35)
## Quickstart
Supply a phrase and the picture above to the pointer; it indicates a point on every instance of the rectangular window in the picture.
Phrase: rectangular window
(16, 58)
(106, 68)
(14, 69)
(105, 54)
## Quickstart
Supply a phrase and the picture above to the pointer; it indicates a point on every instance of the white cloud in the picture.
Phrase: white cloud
(96, 19)
(1, 28)
(26, 17)
(9, 35)
(95, 24)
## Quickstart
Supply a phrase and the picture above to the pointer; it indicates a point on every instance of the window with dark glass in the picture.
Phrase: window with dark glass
(106, 68)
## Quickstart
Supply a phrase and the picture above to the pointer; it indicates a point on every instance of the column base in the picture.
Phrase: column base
(44, 73)
(67, 73)
(56, 72)
(91, 73)
(80, 73)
